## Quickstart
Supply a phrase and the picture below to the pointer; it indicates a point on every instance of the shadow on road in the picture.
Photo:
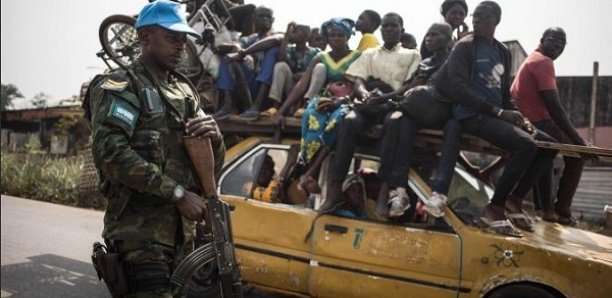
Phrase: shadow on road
(51, 276)
(48, 276)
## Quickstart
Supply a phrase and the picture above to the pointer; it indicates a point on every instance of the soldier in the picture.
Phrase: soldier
(139, 119)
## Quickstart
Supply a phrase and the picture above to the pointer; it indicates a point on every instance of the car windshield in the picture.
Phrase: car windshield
(468, 195)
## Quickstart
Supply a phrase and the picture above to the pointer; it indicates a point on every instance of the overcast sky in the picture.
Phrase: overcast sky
(50, 46)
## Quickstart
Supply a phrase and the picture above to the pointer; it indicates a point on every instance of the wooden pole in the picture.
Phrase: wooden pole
(593, 103)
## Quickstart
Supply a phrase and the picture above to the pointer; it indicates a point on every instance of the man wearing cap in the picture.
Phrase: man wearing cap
(139, 117)
(477, 76)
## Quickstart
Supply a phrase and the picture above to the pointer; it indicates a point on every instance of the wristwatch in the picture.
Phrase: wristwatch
(178, 193)
(500, 112)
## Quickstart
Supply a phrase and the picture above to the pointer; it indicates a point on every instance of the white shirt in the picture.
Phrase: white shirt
(393, 67)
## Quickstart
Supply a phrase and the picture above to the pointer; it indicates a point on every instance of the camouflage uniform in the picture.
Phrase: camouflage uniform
(138, 126)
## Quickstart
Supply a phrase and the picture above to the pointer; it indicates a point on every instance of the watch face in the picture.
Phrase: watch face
(179, 192)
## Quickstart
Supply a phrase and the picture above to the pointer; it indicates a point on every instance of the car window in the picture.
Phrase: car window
(234, 182)
(260, 166)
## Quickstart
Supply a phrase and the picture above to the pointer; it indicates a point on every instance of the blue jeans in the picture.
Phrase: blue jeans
(396, 152)
(226, 79)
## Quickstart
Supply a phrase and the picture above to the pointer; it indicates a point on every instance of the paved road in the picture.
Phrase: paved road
(46, 250)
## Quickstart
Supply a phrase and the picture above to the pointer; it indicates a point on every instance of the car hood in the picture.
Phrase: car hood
(570, 241)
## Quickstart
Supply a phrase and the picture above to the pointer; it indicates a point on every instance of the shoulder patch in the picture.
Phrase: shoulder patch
(124, 112)
(114, 85)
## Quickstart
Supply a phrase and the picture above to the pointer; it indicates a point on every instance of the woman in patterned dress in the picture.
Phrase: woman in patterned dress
(325, 112)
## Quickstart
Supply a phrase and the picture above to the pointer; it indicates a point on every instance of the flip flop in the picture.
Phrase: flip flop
(502, 227)
(221, 115)
(269, 113)
(521, 220)
(250, 115)
(550, 217)
(299, 113)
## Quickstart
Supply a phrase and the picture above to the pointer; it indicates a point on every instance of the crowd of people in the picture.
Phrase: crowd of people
(458, 82)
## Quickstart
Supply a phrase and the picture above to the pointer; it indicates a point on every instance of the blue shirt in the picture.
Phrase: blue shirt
(486, 77)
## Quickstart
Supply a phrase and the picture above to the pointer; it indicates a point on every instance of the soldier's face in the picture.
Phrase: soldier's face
(165, 47)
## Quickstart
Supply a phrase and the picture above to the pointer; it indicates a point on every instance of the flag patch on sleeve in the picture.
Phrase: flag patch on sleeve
(124, 113)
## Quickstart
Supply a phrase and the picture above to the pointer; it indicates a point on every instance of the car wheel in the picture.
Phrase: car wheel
(524, 291)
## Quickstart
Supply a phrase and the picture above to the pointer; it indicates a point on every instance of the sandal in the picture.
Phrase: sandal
(269, 113)
(502, 227)
(221, 115)
(567, 221)
(550, 217)
(250, 115)
(299, 113)
(521, 220)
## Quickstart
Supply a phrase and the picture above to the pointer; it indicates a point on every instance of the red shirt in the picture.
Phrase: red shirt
(537, 73)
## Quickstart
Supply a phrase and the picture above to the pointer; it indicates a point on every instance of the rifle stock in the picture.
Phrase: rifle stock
(217, 226)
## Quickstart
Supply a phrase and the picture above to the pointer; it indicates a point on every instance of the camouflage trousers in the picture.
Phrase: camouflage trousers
(149, 269)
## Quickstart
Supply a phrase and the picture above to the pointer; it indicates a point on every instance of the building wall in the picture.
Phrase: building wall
(575, 95)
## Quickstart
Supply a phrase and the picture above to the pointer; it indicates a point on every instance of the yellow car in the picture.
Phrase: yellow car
(290, 249)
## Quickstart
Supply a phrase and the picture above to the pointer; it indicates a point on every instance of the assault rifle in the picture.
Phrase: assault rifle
(214, 237)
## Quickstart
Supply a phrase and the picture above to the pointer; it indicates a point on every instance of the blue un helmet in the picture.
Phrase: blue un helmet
(165, 14)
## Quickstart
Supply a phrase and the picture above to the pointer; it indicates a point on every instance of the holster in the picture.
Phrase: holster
(110, 268)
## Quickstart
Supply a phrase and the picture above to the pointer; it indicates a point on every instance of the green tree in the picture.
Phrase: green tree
(9, 93)
(40, 100)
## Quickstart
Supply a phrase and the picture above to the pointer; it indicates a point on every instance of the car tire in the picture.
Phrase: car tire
(524, 291)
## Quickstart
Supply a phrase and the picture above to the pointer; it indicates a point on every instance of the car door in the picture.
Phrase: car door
(269, 237)
(358, 258)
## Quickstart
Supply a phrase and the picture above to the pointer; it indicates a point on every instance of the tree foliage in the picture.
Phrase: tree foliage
(40, 100)
(9, 93)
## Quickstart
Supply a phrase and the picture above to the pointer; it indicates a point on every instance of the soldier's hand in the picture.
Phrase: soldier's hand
(191, 206)
(514, 117)
(203, 127)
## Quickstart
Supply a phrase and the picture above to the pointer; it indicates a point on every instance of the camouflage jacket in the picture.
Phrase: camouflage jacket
(137, 128)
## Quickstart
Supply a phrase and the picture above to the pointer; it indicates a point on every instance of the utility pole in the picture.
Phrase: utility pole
(593, 102)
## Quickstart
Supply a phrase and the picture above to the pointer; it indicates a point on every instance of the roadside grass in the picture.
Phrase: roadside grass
(39, 176)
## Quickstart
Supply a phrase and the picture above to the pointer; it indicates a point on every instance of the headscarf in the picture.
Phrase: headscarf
(343, 24)
(448, 4)
(352, 179)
